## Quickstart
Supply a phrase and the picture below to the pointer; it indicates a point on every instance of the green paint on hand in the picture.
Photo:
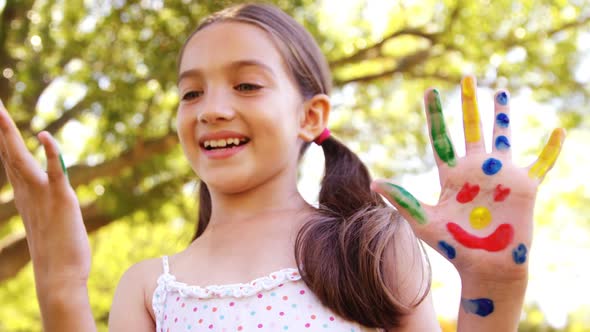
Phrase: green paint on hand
(408, 202)
(441, 141)
(63, 165)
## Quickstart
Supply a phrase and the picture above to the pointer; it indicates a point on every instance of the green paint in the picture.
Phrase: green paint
(438, 131)
(63, 165)
(408, 202)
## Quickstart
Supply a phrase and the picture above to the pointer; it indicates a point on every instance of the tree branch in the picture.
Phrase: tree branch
(82, 174)
(512, 41)
(15, 255)
(374, 50)
(569, 25)
(58, 123)
(405, 64)
(453, 17)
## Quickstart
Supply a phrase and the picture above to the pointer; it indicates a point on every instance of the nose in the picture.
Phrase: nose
(216, 108)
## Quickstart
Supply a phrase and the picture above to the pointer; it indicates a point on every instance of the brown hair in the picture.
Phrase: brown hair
(342, 252)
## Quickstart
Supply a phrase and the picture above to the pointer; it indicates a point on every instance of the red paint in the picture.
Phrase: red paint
(467, 193)
(500, 193)
(496, 241)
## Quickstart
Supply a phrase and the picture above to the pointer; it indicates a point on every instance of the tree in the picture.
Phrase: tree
(109, 69)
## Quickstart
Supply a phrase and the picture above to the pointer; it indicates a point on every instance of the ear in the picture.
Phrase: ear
(314, 117)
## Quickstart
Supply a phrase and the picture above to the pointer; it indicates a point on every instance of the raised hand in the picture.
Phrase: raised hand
(56, 235)
(483, 220)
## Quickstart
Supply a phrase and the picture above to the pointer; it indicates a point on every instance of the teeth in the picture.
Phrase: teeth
(223, 142)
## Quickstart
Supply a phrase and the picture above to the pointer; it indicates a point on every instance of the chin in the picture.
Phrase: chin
(227, 184)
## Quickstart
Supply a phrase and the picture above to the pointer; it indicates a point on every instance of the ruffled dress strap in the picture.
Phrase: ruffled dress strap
(159, 297)
(165, 265)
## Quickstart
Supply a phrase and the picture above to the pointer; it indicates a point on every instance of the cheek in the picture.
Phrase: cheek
(281, 133)
(183, 114)
(185, 125)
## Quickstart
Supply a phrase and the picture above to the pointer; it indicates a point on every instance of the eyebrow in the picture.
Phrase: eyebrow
(233, 66)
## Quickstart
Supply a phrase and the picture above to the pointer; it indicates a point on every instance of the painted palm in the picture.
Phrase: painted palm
(484, 217)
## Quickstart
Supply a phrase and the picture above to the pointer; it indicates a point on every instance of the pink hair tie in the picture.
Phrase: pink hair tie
(323, 136)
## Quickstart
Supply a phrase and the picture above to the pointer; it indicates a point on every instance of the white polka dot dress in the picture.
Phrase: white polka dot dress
(278, 302)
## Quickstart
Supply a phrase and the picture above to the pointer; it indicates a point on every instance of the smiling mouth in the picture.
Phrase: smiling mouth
(498, 240)
(229, 143)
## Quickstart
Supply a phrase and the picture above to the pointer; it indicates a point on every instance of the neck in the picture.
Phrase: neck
(277, 196)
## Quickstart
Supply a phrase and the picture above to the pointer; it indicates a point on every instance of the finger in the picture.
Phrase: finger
(548, 156)
(471, 121)
(16, 155)
(419, 215)
(56, 169)
(10, 173)
(4, 159)
(502, 136)
(409, 207)
(444, 152)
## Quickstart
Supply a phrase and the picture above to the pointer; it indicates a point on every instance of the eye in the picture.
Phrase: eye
(192, 95)
(247, 87)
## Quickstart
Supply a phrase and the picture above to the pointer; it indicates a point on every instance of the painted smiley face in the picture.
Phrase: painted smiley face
(480, 218)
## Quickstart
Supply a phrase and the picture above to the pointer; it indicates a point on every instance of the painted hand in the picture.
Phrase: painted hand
(484, 218)
(51, 214)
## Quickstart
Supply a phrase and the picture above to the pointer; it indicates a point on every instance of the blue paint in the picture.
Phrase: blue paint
(447, 249)
(502, 143)
(481, 307)
(491, 166)
(502, 120)
(519, 254)
(502, 98)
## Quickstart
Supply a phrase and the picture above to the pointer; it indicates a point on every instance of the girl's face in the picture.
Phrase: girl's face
(235, 89)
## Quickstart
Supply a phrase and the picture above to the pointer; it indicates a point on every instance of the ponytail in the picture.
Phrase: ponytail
(342, 251)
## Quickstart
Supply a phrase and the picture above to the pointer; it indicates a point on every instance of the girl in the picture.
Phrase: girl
(253, 95)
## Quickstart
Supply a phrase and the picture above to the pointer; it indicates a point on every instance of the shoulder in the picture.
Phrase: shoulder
(409, 276)
(133, 297)
(152, 267)
(142, 278)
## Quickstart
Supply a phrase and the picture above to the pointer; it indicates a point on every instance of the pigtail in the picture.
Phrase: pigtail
(342, 251)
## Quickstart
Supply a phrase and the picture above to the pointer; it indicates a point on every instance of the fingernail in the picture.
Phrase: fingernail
(502, 98)
(468, 85)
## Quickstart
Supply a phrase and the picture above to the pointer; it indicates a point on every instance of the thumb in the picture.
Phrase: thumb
(56, 170)
(416, 212)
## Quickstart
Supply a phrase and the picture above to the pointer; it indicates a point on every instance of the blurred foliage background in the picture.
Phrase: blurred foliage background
(100, 76)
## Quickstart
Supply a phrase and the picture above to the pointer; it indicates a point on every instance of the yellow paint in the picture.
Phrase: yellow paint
(468, 86)
(480, 217)
(470, 110)
(548, 156)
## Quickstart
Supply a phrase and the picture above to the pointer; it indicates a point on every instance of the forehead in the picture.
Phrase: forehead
(229, 42)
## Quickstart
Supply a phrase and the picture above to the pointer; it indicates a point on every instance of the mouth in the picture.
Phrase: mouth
(225, 143)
